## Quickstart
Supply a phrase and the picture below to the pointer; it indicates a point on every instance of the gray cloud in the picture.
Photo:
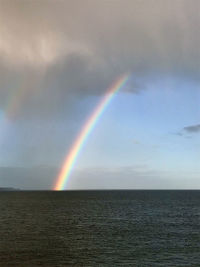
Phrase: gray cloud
(52, 52)
(78, 47)
(135, 177)
(55, 52)
(28, 178)
(188, 130)
(192, 128)
(44, 177)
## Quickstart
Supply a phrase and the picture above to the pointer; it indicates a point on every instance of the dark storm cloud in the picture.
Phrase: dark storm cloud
(59, 50)
(192, 128)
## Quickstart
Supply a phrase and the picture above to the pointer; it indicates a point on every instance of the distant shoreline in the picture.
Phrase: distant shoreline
(9, 189)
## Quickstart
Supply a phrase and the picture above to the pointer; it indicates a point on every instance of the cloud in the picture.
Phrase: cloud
(63, 50)
(31, 33)
(135, 177)
(192, 128)
(138, 177)
(36, 178)
(136, 142)
(139, 35)
(178, 133)
(131, 178)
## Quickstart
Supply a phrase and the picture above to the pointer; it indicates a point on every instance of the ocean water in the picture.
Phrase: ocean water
(100, 228)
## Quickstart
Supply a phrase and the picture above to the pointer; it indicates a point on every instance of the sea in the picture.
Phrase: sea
(100, 228)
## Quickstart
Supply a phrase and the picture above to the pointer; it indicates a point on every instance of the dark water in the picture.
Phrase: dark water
(100, 228)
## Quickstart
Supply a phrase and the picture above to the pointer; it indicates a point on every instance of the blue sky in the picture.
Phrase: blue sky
(143, 128)
(58, 58)
(143, 132)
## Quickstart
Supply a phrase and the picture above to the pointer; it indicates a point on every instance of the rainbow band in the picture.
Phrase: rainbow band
(70, 160)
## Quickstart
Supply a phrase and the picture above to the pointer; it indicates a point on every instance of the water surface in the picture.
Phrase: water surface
(100, 228)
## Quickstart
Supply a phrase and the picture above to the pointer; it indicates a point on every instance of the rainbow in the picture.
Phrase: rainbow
(12, 107)
(70, 160)
(16, 99)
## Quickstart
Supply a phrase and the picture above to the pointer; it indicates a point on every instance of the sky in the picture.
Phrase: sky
(58, 59)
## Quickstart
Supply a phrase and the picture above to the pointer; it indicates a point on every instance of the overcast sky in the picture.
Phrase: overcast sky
(57, 59)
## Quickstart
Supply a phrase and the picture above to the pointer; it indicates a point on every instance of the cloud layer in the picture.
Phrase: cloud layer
(68, 48)
(42, 178)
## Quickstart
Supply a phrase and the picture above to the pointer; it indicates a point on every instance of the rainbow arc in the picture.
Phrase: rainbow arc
(63, 177)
